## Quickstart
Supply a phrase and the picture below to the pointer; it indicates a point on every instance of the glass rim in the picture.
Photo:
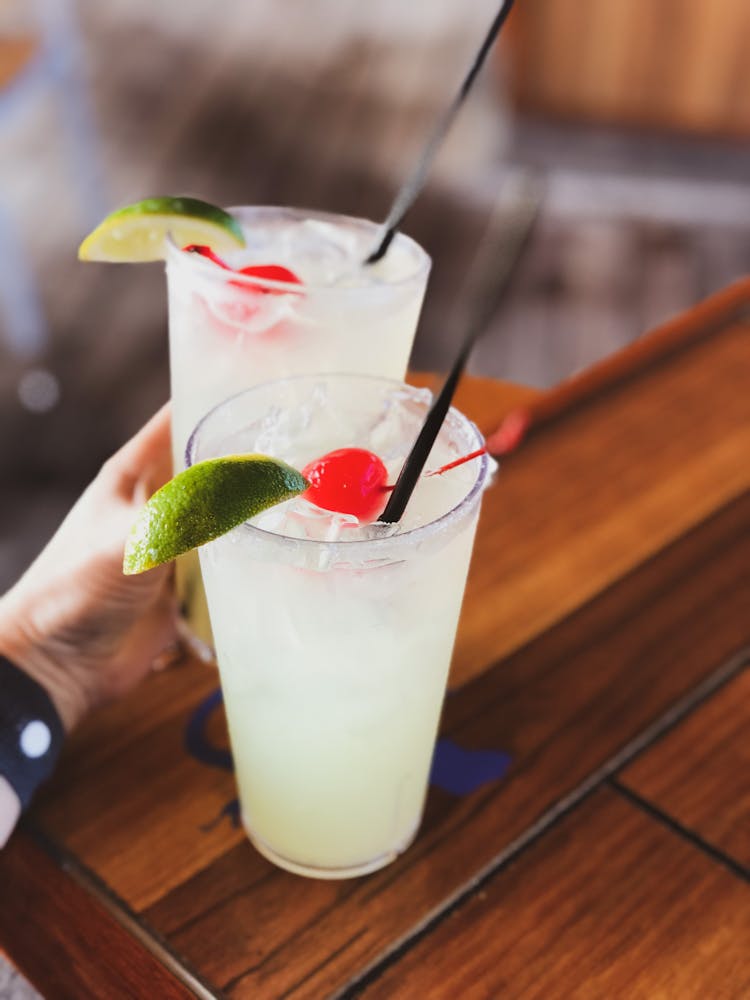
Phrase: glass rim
(209, 272)
(410, 538)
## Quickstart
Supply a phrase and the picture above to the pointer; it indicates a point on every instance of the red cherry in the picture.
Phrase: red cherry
(271, 272)
(268, 272)
(349, 481)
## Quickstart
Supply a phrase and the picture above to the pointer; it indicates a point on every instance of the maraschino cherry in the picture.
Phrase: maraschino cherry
(271, 272)
(353, 481)
(267, 272)
(349, 481)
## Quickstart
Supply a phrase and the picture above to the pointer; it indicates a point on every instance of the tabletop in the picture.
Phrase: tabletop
(587, 829)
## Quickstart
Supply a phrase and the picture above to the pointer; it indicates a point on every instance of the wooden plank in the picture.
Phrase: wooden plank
(65, 942)
(603, 488)
(609, 903)
(131, 802)
(699, 774)
(561, 707)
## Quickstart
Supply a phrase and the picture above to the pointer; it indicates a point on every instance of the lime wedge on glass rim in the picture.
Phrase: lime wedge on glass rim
(138, 233)
(205, 501)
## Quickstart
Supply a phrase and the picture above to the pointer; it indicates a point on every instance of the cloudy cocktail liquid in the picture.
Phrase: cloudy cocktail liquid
(333, 637)
(230, 331)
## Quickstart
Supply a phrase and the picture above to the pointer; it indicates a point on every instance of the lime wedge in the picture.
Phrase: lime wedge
(205, 501)
(139, 232)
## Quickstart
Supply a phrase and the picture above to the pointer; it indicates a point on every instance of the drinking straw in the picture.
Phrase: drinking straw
(414, 181)
(505, 238)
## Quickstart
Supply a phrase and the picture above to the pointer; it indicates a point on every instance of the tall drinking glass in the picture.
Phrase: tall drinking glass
(229, 332)
(334, 639)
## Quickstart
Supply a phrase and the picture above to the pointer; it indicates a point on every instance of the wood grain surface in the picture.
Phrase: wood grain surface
(699, 774)
(598, 491)
(145, 842)
(608, 904)
(66, 942)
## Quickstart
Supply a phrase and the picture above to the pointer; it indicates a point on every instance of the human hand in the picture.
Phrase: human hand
(74, 622)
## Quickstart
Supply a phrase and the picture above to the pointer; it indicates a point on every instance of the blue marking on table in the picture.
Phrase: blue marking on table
(455, 769)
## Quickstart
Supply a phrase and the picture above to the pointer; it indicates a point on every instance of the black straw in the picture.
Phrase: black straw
(490, 276)
(416, 179)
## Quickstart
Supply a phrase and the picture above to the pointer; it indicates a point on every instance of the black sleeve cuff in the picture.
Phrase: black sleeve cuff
(31, 732)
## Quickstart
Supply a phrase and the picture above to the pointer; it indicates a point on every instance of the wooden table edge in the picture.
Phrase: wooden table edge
(53, 875)
(655, 347)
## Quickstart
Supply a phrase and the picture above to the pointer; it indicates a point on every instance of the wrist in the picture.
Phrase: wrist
(39, 656)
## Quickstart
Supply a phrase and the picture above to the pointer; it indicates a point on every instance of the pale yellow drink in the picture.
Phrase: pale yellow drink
(334, 639)
(229, 332)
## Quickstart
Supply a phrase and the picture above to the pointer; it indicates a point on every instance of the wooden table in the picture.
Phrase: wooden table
(587, 832)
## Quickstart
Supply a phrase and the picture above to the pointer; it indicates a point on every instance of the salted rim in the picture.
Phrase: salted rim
(413, 536)
(210, 272)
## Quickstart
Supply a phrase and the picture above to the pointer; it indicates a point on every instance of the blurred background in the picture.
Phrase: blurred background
(637, 112)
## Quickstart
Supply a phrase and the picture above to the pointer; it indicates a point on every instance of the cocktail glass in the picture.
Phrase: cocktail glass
(229, 332)
(334, 639)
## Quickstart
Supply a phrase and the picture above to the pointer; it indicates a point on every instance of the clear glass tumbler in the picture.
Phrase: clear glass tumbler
(334, 639)
(229, 332)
